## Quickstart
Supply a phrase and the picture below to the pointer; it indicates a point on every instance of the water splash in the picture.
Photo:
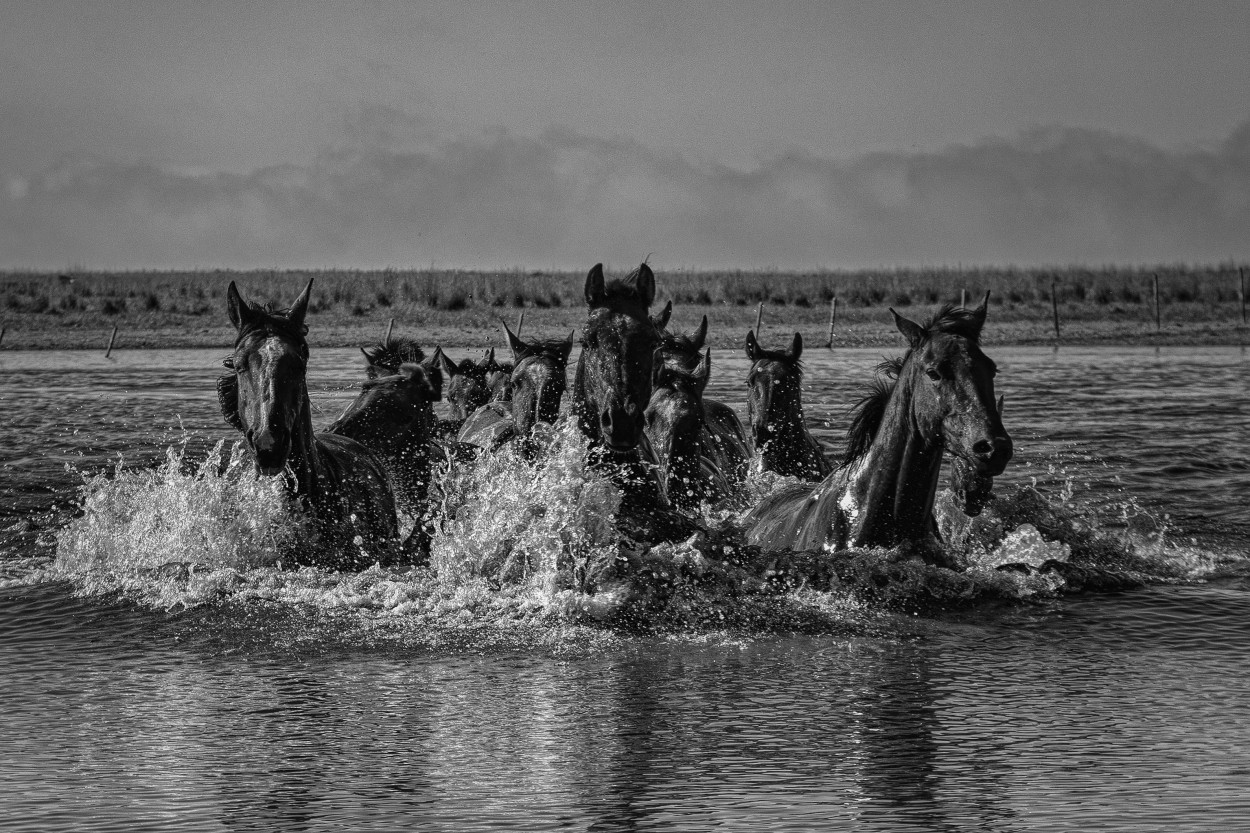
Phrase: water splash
(526, 553)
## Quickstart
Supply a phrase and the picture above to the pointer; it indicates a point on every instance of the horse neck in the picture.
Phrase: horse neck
(304, 459)
(587, 417)
(896, 479)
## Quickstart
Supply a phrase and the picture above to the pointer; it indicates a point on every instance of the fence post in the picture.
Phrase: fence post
(1, 335)
(1158, 320)
(1054, 305)
(833, 317)
(112, 338)
(963, 299)
(759, 319)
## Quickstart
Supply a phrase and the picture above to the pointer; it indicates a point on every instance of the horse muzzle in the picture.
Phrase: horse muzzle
(621, 427)
(271, 448)
(991, 456)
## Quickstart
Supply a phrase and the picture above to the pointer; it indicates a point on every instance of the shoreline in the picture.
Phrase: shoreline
(727, 330)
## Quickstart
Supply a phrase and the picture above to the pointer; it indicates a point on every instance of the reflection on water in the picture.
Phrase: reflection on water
(1018, 720)
(1123, 711)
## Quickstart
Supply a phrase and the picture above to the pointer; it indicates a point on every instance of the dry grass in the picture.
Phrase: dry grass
(189, 307)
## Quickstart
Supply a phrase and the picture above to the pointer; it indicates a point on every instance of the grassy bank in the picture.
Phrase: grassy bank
(78, 309)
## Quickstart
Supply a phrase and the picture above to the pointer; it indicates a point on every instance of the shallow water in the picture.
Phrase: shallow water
(317, 704)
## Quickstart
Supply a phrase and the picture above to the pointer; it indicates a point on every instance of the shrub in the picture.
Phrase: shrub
(383, 299)
(151, 303)
(457, 300)
(113, 306)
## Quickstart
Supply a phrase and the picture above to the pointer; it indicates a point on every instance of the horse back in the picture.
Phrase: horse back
(489, 427)
(359, 500)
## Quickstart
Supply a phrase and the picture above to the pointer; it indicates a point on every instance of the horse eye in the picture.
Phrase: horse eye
(933, 374)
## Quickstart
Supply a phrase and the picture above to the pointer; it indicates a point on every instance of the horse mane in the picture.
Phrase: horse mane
(394, 352)
(956, 321)
(228, 398)
(552, 348)
(274, 320)
(867, 413)
(683, 348)
(778, 356)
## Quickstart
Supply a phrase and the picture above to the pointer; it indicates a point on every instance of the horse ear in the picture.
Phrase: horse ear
(704, 370)
(236, 307)
(446, 365)
(913, 332)
(488, 361)
(434, 383)
(661, 375)
(428, 384)
(514, 344)
(646, 284)
(700, 335)
(753, 346)
(979, 313)
(300, 307)
(371, 370)
(796, 347)
(1000, 407)
(567, 349)
(595, 293)
(661, 321)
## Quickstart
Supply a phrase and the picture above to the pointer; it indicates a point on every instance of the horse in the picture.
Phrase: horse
(343, 487)
(612, 381)
(393, 416)
(537, 382)
(882, 495)
(676, 426)
(466, 386)
(723, 437)
(775, 412)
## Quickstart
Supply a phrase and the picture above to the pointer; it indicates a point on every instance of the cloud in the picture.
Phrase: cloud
(397, 193)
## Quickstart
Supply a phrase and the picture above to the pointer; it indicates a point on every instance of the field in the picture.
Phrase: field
(79, 309)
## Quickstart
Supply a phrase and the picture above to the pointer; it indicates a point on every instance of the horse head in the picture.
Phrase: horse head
(675, 421)
(774, 388)
(270, 361)
(537, 380)
(465, 384)
(952, 386)
(393, 407)
(613, 384)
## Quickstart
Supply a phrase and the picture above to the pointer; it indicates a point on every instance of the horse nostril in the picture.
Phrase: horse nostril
(983, 447)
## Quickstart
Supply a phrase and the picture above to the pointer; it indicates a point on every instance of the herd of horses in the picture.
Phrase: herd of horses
(638, 396)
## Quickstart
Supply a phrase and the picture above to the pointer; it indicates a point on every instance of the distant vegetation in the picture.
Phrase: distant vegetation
(158, 300)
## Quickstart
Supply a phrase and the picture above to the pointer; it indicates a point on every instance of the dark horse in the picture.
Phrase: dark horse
(678, 431)
(775, 412)
(394, 418)
(342, 486)
(612, 382)
(465, 385)
(536, 384)
(498, 378)
(882, 495)
(722, 435)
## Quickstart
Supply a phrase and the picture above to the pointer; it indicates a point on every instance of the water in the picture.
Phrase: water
(248, 697)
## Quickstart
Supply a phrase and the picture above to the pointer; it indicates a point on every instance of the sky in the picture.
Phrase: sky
(801, 135)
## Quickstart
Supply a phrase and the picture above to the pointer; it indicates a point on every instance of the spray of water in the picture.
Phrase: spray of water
(527, 551)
